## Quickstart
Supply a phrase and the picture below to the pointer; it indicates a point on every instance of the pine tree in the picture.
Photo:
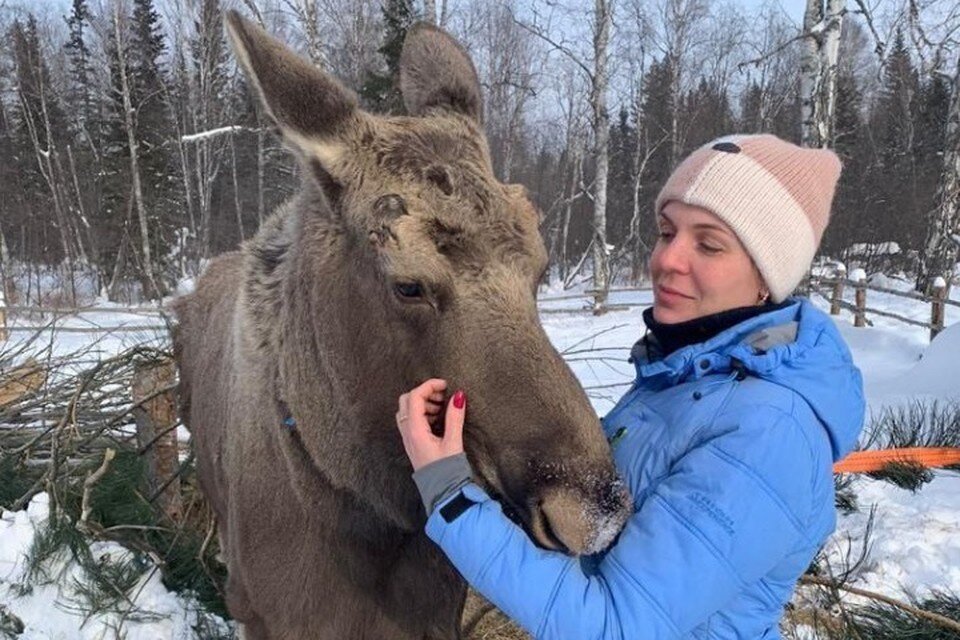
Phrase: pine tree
(656, 113)
(209, 110)
(83, 155)
(750, 109)
(380, 92)
(899, 206)
(853, 200)
(41, 126)
(80, 94)
(114, 216)
(623, 141)
(161, 190)
(706, 115)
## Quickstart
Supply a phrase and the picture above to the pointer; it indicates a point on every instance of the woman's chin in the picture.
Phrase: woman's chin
(671, 315)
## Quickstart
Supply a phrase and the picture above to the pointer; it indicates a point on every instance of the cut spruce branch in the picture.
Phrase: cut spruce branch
(936, 618)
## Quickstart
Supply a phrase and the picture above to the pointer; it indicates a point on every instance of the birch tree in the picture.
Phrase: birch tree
(430, 11)
(680, 29)
(934, 29)
(597, 72)
(941, 250)
(507, 57)
(602, 23)
(822, 22)
(151, 282)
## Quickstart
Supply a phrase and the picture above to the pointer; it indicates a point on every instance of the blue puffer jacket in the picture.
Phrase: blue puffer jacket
(732, 482)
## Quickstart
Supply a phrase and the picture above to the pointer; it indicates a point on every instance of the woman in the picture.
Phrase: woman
(744, 398)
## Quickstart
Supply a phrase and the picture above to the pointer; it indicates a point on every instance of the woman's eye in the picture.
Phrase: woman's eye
(706, 248)
(666, 235)
(409, 290)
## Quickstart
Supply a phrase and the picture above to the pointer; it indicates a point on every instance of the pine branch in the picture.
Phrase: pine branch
(936, 618)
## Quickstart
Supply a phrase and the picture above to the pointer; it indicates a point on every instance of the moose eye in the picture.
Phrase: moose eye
(408, 290)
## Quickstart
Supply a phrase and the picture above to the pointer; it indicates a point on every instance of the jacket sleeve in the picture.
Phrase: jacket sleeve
(727, 513)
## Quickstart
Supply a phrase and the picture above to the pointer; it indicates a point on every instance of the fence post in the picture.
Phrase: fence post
(937, 307)
(156, 417)
(837, 297)
(599, 302)
(3, 314)
(859, 277)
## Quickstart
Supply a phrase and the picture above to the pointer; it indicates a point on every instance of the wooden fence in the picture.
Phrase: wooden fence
(596, 303)
(61, 312)
(836, 286)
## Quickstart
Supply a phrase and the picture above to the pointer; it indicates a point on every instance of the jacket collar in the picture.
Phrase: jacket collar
(746, 342)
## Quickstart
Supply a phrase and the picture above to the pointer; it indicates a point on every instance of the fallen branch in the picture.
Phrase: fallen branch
(89, 483)
(936, 618)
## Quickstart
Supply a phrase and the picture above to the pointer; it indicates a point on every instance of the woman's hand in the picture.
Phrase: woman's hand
(418, 411)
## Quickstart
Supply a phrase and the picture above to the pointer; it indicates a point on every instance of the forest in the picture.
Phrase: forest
(133, 151)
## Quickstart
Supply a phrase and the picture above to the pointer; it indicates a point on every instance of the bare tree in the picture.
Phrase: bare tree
(602, 23)
(507, 58)
(598, 73)
(430, 11)
(822, 22)
(680, 32)
(942, 247)
(771, 71)
(307, 13)
(935, 35)
(151, 283)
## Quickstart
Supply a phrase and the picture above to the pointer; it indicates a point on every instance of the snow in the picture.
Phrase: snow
(874, 249)
(914, 547)
(52, 611)
(212, 133)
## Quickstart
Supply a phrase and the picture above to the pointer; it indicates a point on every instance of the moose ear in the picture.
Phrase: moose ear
(308, 105)
(435, 72)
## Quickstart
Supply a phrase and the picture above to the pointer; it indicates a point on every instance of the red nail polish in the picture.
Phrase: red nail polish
(459, 399)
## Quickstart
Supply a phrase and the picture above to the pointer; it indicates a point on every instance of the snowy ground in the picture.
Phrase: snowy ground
(915, 547)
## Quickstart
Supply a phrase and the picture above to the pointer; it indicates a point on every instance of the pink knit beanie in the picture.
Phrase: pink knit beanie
(775, 196)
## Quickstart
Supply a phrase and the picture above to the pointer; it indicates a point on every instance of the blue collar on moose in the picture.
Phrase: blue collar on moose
(287, 420)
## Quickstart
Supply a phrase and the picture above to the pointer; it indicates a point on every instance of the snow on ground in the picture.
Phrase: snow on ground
(52, 611)
(914, 543)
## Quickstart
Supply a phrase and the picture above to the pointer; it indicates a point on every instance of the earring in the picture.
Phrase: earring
(763, 296)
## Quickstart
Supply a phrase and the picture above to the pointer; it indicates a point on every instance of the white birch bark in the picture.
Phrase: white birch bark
(133, 149)
(603, 19)
(822, 21)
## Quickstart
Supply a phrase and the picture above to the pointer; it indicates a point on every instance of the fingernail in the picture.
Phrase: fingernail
(459, 399)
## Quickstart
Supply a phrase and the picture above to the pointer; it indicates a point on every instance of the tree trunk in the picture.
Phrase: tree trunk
(941, 251)
(603, 16)
(430, 11)
(151, 287)
(236, 185)
(261, 165)
(818, 70)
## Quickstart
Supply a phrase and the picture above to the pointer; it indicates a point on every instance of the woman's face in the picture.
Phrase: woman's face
(699, 267)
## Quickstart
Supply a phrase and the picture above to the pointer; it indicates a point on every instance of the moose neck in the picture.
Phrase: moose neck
(340, 371)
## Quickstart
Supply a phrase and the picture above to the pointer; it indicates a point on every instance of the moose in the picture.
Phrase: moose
(400, 258)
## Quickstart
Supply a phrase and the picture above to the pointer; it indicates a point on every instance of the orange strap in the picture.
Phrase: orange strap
(870, 461)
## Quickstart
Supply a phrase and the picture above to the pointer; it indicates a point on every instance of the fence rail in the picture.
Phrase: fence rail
(938, 301)
(598, 299)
